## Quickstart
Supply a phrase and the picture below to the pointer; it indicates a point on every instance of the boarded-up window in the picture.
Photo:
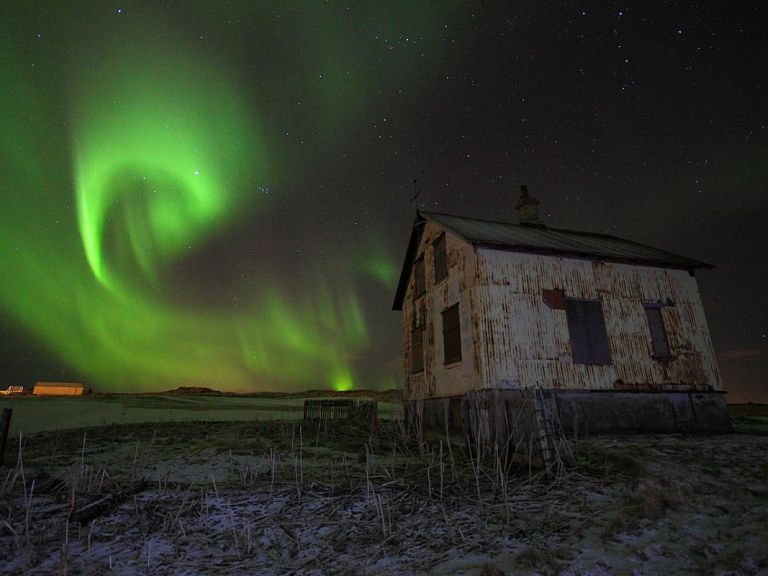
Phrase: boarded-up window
(417, 350)
(586, 327)
(441, 259)
(418, 272)
(658, 334)
(419, 317)
(451, 335)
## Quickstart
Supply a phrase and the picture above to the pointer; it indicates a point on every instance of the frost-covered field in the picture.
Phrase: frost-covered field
(291, 498)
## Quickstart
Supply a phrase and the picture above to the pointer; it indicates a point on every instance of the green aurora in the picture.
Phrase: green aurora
(133, 153)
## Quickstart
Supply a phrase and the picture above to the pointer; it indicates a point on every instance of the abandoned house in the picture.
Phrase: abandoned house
(613, 330)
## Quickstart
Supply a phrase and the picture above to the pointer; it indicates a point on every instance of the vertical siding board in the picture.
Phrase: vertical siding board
(691, 313)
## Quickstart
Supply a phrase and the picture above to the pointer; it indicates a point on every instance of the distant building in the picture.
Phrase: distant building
(60, 389)
(12, 391)
(613, 330)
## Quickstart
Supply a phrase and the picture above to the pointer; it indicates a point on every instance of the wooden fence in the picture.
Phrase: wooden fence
(340, 409)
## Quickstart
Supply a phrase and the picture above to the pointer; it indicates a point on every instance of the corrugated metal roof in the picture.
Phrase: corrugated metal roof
(541, 238)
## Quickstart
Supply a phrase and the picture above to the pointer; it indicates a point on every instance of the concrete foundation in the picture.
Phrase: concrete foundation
(584, 412)
(598, 412)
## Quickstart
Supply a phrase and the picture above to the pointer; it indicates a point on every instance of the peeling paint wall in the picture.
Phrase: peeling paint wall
(437, 378)
(523, 342)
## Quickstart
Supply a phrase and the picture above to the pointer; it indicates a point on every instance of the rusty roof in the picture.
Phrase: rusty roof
(540, 239)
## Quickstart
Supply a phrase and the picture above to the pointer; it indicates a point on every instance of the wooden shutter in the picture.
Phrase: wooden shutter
(586, 327)
(658, 334)
(417, 350)
(420, 286)
(451, 335)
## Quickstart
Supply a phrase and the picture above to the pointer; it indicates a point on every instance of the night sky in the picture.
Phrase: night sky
(220, 193)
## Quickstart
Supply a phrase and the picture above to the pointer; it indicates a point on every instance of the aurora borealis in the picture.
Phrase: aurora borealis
(161, 152)
(219, 194)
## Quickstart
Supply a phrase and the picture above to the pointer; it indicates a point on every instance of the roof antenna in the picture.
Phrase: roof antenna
(417, 189)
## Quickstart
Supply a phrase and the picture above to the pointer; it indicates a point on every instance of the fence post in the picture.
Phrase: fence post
(5, 425)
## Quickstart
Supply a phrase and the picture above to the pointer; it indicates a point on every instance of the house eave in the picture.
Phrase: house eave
(410, 256)
(690, 265)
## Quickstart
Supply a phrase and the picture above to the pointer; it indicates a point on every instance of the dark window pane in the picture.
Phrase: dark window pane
(658, 334)
(419, 277)
(441, 260)
(417, 350)
(586, 327)
(451, 335)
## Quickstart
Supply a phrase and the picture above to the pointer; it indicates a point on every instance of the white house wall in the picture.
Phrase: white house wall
(439, 379)
(523, 342)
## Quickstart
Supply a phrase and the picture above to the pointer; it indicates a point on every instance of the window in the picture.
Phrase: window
(417, 350)
(419, 276)
(441, 259)
(658, 334)
(586, 327)
(451, 335)
(417, 337)
(420, 315)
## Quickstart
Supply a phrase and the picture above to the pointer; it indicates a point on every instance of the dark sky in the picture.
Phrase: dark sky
(220, 195)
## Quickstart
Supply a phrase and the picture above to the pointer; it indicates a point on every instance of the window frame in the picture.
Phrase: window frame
(454, 359)
(655, 308)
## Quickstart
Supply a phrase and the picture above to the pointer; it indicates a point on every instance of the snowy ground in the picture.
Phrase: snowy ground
(279, 498)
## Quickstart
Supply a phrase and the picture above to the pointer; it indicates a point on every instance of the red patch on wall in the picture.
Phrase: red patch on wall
(555, 299)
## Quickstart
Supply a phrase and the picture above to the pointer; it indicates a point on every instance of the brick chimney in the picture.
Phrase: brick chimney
(527, 208)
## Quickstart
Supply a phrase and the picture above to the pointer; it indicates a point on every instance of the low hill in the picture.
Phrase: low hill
(393, 395)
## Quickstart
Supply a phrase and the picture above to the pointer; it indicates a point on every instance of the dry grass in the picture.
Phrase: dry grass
(277, 497)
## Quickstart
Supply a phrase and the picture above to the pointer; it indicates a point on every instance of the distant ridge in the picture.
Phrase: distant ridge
(392, 395)
(192, 391)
